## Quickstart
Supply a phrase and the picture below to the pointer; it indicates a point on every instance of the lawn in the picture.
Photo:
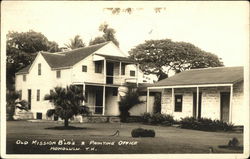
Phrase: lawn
(25, 137)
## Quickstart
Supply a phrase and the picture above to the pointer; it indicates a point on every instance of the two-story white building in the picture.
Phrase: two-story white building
(99, 70)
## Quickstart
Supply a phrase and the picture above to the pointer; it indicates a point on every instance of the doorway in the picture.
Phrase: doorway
(110, 73)
(29, 99)
(224, 106)
(99, 101)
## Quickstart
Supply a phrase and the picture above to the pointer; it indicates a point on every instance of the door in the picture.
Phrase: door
(195, 105)
(29, 99)
(224, 105)
(110, 72)
(98, 102)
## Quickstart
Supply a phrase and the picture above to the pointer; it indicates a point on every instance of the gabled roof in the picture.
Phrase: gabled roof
(69, 58)
(217, 75)
(24, 70)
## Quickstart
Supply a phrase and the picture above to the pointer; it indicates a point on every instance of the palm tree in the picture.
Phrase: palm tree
(127, 102)
(67, 103)
(13, 103)
(75, 43)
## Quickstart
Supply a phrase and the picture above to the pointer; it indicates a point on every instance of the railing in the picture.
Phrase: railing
(95, 110)
(120, 80)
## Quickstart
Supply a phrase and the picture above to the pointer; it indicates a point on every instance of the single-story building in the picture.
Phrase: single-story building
(215, 93)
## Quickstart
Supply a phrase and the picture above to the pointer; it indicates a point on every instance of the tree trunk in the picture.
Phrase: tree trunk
(66, 122)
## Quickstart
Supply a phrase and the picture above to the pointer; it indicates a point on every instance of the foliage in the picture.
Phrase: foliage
(97, 40)
(21, 50)
(75, 43)
(13, 103)
(127, 102)
(234, 142)
(158, 118)
(146, 117)
(67, 102)
(139, 132)
(205, 124)
(160, 56)
(108, 35)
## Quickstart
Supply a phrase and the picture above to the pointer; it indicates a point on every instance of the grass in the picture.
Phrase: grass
(97, 138)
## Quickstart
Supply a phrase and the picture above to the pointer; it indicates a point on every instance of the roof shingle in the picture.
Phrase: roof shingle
(218, 75)
(69, 58)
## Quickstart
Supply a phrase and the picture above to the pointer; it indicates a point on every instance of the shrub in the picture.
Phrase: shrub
(146, 117)
(234, 142)
(127, 102)
(205, 124)
(158, 118)
(139, 132)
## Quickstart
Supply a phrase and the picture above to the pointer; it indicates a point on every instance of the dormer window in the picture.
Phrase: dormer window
(39, 69)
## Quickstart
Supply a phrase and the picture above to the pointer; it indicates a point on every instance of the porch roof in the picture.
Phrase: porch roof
(206, 76)
(117, 58)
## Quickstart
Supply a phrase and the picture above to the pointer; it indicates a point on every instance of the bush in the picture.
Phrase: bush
(139, 132)
(158, 118)
(146, 117)
(205, 124)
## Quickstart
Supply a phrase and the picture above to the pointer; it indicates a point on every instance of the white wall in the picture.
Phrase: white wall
(210, 107)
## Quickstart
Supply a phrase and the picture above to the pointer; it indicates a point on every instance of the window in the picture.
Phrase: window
(38, 95)
(39, 69)
(132, 73)
(98, 67)
(123, 69)
(84, 68)
(115, 91)
(24, 77)
(58, 74)
(178, 103)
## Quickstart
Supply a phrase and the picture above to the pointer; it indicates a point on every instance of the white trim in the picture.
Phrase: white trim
(103, 100)
(189, 86)
(231, 104)
(197, 102)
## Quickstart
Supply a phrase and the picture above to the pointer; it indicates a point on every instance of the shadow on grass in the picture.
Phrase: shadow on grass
(65, 128)
(231, 147)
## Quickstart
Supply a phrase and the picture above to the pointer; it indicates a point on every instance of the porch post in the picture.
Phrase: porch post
(104, 71)
(197, 102)
(173, 101)
(147, 105)
(120, 72)
(103, 100)
(231, 103)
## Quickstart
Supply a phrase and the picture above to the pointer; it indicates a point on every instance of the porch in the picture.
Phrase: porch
(213, 101)
(102, 99)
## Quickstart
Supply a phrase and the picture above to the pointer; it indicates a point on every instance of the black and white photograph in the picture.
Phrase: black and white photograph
(124, 79)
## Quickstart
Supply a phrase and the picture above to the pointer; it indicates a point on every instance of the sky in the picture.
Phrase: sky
(219, 27)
